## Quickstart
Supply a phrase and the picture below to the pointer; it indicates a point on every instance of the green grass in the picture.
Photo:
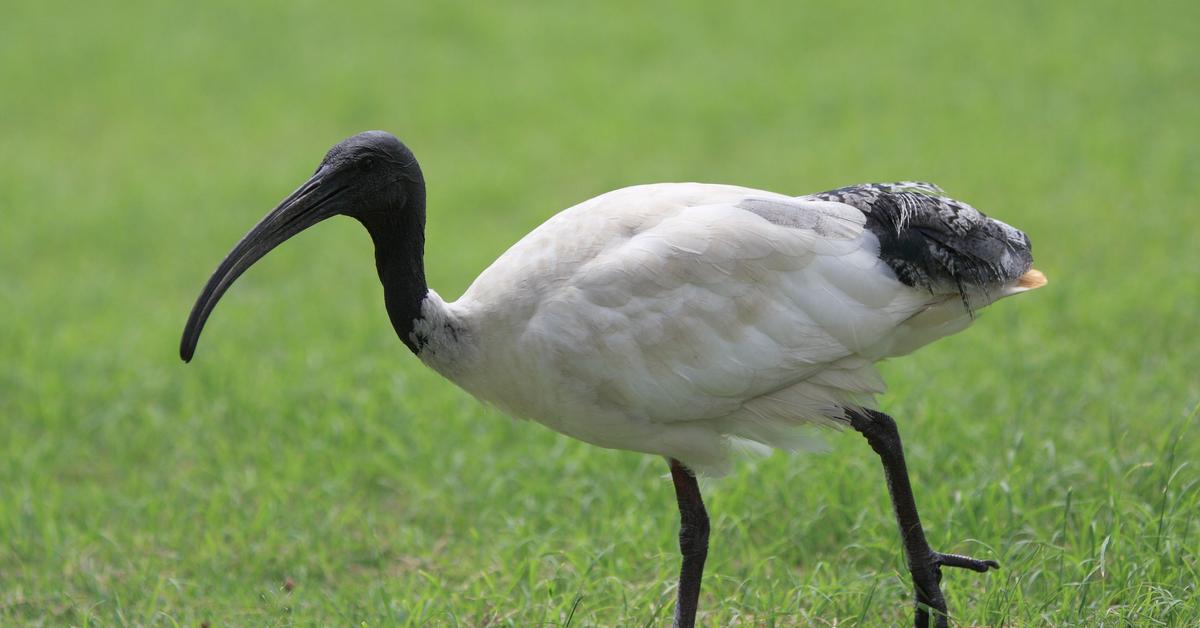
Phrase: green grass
(304, 444)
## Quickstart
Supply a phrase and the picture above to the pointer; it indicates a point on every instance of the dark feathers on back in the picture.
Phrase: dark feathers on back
(935, 242)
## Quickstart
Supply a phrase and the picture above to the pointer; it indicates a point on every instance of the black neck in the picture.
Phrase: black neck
(399, 236)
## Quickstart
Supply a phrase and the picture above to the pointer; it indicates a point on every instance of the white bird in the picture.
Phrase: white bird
(685, 320)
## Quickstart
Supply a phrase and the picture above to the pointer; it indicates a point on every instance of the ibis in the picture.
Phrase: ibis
(685, 320)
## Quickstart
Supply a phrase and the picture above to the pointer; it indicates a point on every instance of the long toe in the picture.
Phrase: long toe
(964, 562)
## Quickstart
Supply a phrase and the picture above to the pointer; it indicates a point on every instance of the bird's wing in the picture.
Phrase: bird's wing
(727, 295)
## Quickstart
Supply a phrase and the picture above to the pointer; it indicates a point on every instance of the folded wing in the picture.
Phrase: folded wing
(727, 299)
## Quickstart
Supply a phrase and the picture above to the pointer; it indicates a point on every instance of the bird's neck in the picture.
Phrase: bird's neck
(399, 237)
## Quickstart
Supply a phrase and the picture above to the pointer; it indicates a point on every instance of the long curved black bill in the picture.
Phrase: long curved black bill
(308, 205)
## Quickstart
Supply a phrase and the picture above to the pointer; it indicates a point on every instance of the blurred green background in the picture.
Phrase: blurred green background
(306, 469)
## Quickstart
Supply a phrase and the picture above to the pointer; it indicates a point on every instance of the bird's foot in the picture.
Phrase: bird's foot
(962, 562)
(927, 580)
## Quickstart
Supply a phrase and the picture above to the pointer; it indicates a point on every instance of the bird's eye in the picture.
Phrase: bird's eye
(366, 164)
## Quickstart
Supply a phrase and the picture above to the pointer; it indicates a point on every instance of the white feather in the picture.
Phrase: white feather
(668, 320)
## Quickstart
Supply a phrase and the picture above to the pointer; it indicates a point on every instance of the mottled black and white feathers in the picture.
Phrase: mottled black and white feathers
(934, 242)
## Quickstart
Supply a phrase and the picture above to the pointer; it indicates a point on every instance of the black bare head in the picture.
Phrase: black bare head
(372, 174)
(371, 177)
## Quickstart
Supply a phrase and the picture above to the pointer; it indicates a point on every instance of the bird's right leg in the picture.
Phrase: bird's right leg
(693, 543)
(924, 564)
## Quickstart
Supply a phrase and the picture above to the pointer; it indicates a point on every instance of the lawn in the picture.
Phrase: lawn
(306, 469)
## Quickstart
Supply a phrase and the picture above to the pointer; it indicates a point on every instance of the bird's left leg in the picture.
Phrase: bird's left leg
(693, 543)
(924, 564)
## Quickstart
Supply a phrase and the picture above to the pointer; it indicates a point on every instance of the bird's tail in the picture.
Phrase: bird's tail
(934, 242)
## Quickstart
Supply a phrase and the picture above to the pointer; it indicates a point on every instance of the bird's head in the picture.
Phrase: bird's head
(368, 175)
(371, 177)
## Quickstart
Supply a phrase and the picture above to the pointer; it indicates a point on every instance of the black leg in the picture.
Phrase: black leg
(924, 564)
(693, 543)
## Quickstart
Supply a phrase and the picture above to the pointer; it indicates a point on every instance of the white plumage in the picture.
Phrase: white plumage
(668, 320)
